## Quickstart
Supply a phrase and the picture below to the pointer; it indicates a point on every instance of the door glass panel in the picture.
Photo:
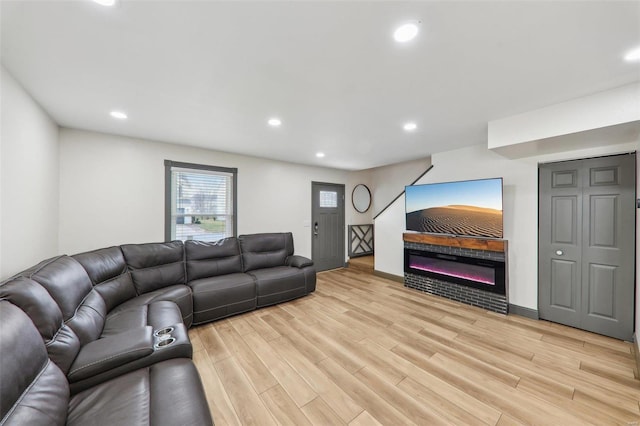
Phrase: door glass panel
(328, 199)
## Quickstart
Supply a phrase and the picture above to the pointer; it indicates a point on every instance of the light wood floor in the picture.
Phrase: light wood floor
(362, 264)
(363, 350)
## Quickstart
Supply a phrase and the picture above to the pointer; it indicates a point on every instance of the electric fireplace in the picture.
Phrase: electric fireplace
(479, 273)
(467, 270)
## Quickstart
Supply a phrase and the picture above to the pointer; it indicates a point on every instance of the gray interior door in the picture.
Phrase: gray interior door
(327, 225)
(586, 244)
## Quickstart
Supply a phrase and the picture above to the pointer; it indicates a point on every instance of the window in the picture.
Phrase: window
(328, 199)
(200, 202)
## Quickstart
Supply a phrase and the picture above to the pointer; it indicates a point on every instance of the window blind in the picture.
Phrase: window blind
(202, 204)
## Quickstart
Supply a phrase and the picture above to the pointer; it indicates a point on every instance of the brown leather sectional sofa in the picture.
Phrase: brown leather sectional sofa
(101, 337)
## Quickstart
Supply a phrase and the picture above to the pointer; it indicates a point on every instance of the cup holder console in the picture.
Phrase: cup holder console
(164, 337)
(165, 342)
(163, 332)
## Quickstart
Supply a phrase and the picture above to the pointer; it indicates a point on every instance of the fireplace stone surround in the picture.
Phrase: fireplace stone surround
(488, 253)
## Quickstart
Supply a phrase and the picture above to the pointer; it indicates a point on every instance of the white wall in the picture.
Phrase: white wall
(600, 110)
(112, 191)
(353, 217)
(28, 180)
(389, 181)
(520, 210)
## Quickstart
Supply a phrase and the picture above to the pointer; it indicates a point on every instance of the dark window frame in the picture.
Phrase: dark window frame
(168, 164)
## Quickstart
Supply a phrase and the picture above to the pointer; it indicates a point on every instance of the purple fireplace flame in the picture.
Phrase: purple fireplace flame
(476, 273)
(473, 276)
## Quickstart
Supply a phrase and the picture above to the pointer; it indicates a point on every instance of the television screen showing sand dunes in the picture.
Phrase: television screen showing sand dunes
(466, 208)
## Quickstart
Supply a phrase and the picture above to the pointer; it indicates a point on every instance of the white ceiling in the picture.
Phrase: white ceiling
(210, 73)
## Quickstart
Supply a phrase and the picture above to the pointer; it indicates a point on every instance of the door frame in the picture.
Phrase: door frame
(344, 213)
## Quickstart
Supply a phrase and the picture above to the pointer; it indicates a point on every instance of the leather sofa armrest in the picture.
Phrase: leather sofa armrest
(110, 352)
(298, 261)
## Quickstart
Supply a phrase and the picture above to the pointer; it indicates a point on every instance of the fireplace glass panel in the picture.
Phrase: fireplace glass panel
(477, 273)
(480, 273)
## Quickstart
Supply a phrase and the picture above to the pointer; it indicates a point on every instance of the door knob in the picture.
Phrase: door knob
(315, 228)
(559, 252)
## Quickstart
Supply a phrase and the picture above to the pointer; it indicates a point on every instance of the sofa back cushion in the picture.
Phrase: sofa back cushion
(103, 264)
(83, 309)
(65, 280)
(155, 265)
(265, 250)
(108, 272)
(210, 259)
(33, 391)
(36, 302)
(61, 341)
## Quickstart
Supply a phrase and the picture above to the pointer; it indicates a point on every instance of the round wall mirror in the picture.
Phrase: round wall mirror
(361, 198)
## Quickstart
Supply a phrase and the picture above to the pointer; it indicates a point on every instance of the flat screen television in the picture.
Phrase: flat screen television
(470, 208)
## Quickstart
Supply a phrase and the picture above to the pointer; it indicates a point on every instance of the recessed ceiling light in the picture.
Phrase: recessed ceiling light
(319, 154)
(274, 122)
(410, 127)
(105, 2)
(118, 114)
(406, 32)
(633, 55)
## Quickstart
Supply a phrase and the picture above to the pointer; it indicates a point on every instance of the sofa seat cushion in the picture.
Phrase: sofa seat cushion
(167, 393)
(222, 296)
(278, 284)
(179, 294)
(156, 314)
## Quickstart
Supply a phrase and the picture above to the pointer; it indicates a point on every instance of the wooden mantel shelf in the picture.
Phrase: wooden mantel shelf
(462, 242)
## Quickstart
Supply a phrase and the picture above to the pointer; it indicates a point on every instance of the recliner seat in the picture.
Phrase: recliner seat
(280, 276)
(220, 286)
